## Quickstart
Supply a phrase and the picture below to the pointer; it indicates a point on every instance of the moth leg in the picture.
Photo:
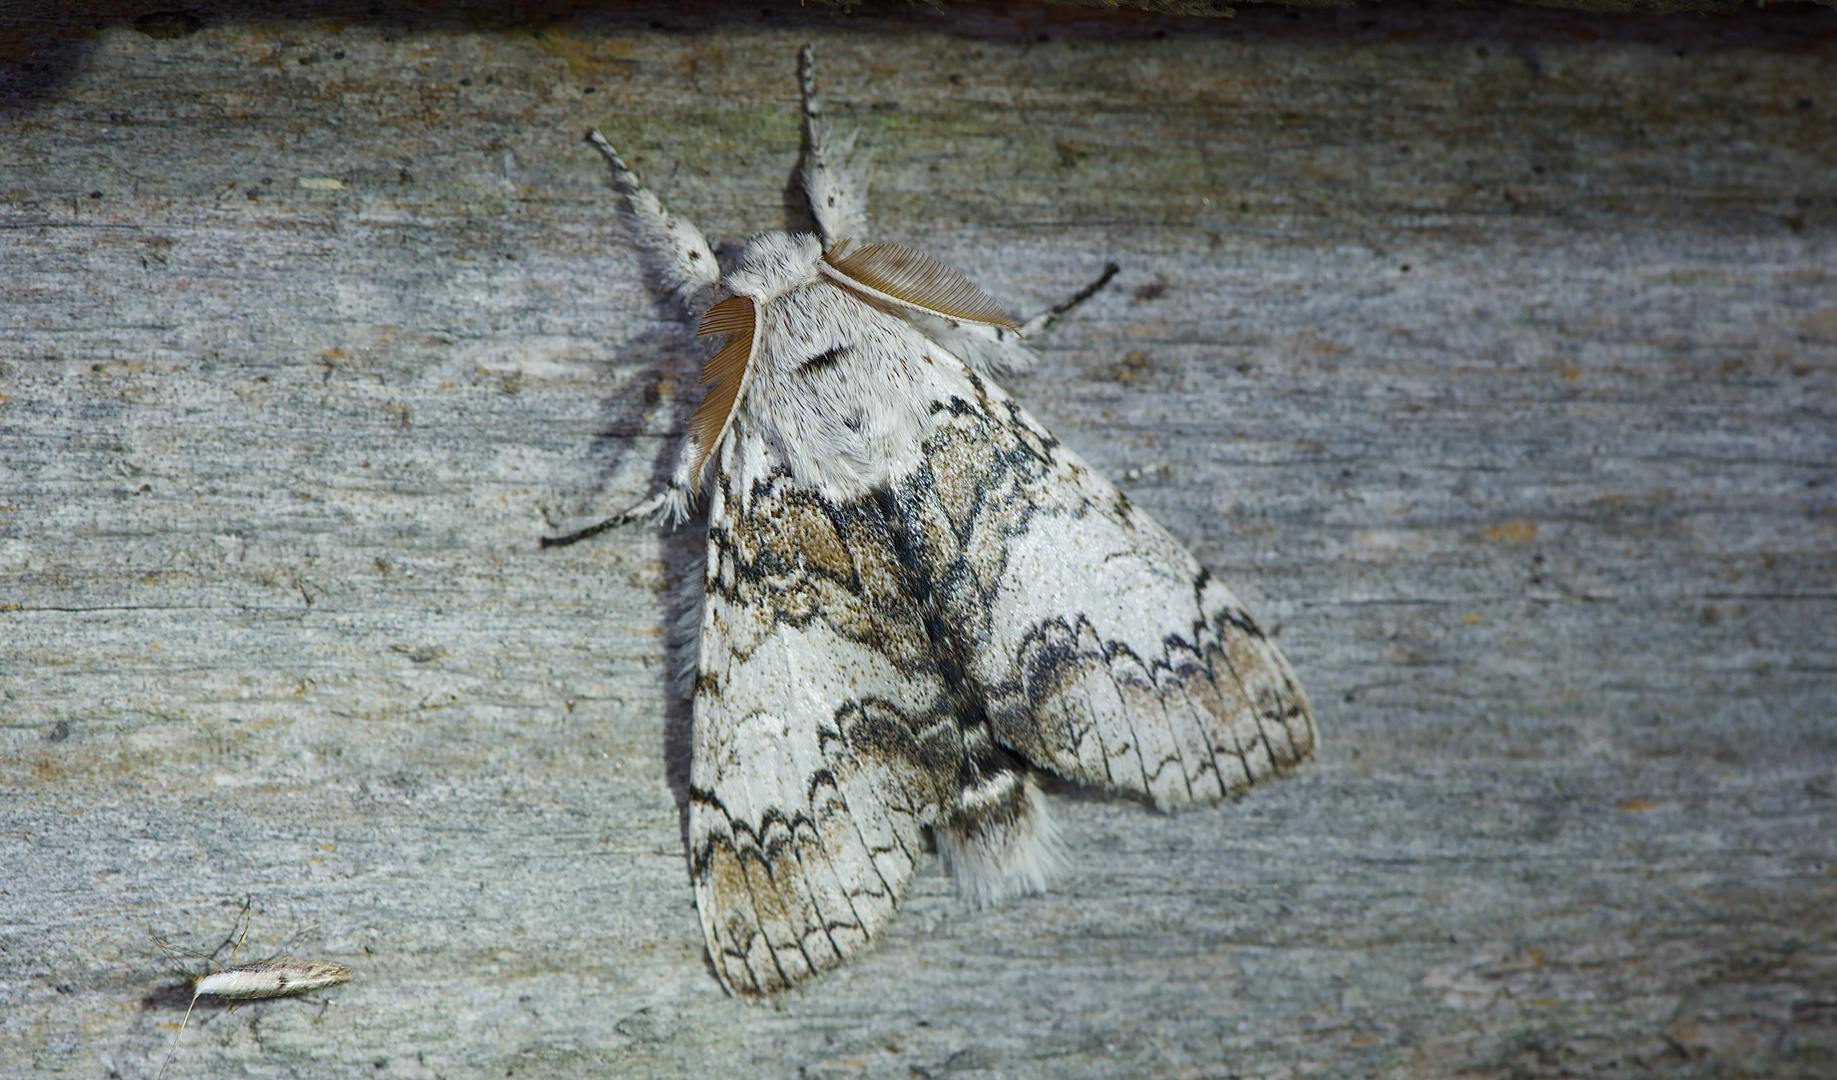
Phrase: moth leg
(834, 182)
(648, 508)
(681, 265)
(676, 255)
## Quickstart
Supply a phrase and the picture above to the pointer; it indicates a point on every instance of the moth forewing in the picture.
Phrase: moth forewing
(274, 978)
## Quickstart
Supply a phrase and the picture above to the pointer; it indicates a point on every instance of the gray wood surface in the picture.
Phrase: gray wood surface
(1490, 354)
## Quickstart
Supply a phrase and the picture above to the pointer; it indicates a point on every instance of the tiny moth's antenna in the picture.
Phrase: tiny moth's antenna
(247, 925)
(175, 1039)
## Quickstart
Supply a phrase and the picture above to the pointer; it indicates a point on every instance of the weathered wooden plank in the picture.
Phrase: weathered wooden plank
(1491, 355)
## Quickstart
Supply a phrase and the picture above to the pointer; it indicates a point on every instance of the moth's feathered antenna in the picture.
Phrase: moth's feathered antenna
(899, 275)
(728, 370)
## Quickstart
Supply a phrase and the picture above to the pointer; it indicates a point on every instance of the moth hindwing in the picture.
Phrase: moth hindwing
(915, 599)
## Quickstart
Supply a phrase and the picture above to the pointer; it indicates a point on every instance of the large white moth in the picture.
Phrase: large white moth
(914, 596)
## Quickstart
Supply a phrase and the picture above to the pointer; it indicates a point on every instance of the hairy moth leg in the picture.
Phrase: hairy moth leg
(834, 182)
(676, 255)
(648, 508)
(680, 264)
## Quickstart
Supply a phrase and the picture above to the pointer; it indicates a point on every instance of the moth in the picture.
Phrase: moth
(280, 976)
(915, 599)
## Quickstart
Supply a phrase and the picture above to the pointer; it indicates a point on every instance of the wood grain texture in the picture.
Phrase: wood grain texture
(1490, 355)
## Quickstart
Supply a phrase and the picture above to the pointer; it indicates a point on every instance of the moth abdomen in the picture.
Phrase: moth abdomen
(999, 840)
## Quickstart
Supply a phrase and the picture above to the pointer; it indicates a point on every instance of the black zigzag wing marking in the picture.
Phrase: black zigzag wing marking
(824, 738)
(1099, 648)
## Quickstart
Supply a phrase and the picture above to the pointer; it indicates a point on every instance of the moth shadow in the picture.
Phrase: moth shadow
(177, 998)
(669, 361)
(1052, 783)
(651, 373)
(648, 413)
(682, 550)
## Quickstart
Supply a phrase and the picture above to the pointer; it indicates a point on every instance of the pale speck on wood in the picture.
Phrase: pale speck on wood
(1597, 406)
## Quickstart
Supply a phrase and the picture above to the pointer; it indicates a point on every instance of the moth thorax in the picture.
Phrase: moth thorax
(999, 841)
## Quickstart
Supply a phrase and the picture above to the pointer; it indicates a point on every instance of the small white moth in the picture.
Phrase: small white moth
(914, 596)
(277, 977)
(282, 977)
